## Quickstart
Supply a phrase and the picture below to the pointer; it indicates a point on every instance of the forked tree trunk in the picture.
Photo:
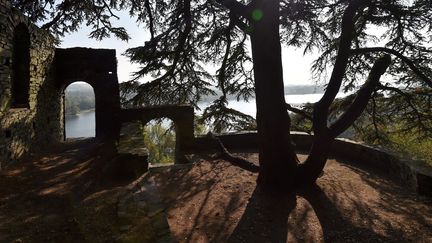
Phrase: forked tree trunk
(313, 167)
(278, 161)
(310, 170)
(277, 157)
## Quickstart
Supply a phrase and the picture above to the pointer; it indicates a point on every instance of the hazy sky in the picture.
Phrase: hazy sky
(296, 66)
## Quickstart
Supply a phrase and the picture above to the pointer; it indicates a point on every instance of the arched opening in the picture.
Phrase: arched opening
(160, 141)
(20, 67)
(79, 110)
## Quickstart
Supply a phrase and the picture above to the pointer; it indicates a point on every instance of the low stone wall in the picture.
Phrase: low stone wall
(406, 171)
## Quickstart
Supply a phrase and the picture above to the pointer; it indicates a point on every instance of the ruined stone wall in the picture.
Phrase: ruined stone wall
(98, 68)
(31, 126)
(181, 115)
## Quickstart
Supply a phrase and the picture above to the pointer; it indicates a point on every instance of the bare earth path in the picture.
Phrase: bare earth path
(73, 196)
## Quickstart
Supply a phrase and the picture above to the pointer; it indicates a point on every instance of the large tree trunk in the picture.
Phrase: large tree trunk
(278, 160)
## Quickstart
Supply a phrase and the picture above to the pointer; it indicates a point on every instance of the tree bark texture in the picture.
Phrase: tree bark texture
(277, 157)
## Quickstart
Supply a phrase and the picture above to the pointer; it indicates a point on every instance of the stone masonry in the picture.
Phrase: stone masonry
(30, 126)
(33, 77)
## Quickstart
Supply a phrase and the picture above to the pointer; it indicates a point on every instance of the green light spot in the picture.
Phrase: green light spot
(257, 14)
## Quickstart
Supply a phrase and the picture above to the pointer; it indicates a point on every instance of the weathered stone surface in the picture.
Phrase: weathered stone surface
(97, 67)
(142, 214)
(37, 120)
(23, 130)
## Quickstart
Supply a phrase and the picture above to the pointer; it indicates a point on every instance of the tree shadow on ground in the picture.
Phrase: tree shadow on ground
(276, 217)
(203, 199)
(394, 199)
(213, 201)
(265, 218)
(38, 196)
(337, 226)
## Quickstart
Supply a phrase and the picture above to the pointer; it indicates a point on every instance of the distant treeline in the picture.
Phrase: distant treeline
(80, 97)
(289, 90)
(304, 89)
(78, 100)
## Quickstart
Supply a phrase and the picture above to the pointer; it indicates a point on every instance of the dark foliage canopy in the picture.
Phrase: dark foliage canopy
(188, 35)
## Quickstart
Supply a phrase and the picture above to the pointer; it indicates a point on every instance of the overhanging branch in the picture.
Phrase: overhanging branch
(187, 17)
(405, 59)
(321, 108)
(150, 19)
(235, 7)
(361, 100)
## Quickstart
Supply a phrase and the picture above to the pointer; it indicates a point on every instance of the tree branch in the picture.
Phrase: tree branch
(150, 18)
(409, 101)
(109, 9)
(234, 160)
(179, 49)
(241, 25)
(64, 5)
(361, 100)
(405, 59)
(235, 7)
(222, 71)
(321, 108)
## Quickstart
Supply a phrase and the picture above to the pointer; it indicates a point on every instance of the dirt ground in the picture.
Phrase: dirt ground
(216, 202)
(48, 197)
(73, 195)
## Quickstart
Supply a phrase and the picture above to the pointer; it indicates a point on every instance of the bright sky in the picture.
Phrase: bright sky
(296, 66)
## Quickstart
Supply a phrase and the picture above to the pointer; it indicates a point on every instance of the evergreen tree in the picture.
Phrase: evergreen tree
(358, 41)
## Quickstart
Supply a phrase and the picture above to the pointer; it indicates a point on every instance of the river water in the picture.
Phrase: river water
(83, 125)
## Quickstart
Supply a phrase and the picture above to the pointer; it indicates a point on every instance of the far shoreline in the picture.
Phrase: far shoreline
(80, 112)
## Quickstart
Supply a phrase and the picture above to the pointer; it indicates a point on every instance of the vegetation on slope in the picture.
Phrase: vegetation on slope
(79, 100)
(160, 142)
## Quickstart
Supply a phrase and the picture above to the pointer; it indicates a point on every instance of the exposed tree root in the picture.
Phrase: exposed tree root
(234, 160)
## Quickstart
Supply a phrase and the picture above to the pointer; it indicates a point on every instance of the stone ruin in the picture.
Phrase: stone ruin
(30, 102)
(33, 77)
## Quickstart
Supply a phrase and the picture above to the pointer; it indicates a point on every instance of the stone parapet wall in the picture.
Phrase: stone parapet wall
(33, 127)
(411, 173)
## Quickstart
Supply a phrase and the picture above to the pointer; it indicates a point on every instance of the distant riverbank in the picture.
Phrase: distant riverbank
(81, 112)
(83, 124)
(249, 107)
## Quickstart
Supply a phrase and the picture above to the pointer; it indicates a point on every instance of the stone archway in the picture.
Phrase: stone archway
(97, 67)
